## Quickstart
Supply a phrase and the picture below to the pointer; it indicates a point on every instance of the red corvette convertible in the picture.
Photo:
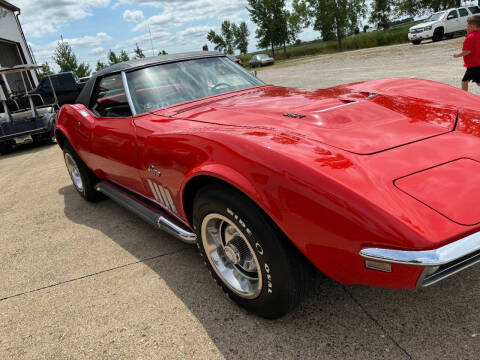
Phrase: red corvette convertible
(373, 183)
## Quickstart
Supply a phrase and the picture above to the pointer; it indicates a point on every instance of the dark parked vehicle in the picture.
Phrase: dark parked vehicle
(67, 87)
(261, 60)
(20, 123)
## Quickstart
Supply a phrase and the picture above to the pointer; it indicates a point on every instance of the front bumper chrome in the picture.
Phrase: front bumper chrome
(421, 36)
(438, 263)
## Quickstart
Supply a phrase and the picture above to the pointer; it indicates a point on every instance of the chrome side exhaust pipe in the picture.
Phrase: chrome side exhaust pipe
(155, 217)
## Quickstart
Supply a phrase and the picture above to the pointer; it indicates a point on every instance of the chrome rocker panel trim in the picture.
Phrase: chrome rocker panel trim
(155, 217)
(438, 263)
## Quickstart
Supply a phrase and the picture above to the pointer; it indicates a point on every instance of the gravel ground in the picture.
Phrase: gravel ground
(429, 60)
(92, 281)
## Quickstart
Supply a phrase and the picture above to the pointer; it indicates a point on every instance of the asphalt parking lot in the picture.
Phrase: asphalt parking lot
(92, 281)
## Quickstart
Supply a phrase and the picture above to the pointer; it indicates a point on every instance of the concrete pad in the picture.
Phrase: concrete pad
(49, 234)
(169, 308)
(438, 322)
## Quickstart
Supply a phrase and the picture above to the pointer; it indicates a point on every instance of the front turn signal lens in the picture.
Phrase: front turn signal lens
(378, 265)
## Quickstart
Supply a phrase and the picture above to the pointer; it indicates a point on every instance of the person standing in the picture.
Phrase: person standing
(471, 52)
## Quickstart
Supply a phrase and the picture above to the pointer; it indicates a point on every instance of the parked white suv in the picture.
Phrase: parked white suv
(440, 24)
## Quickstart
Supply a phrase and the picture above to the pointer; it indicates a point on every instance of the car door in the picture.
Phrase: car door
(159, 143)
(463, 16)
(162, 155)
(474, 10)
(60, 84)
(45, 91)
(452, 22)
(113, 148)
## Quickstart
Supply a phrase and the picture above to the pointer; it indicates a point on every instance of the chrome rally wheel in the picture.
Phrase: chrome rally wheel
(248, 257)
(74, 172)
(231, 256)
(83, 178)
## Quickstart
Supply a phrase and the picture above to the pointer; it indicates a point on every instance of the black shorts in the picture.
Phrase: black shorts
(472, 74)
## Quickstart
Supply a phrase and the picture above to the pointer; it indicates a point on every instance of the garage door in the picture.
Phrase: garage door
(9, 56)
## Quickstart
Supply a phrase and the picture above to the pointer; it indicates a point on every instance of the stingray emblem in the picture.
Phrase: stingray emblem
(295, 116)
(154, 171)
(162, 195)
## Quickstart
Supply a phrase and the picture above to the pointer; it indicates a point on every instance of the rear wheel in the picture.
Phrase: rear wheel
(6, 147)
(437, 34)
(83, 178)
(416, 42)
(247, 256)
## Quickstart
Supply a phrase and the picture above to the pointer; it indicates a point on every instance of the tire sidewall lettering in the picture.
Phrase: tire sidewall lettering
(258, 248)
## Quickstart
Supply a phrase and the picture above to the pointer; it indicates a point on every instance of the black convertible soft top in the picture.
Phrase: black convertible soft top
(85, 95)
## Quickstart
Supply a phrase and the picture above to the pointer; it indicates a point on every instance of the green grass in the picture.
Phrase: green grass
(395, 35)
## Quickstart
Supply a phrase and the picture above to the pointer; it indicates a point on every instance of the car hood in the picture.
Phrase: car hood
(422, 25)
(349, 118)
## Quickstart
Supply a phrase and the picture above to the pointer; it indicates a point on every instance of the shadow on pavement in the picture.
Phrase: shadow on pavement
(333, 322)
(30, 148)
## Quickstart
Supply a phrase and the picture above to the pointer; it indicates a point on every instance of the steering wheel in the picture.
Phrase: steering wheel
(216, 86)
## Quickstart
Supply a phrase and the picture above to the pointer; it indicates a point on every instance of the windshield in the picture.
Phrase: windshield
(164, 85)
(474, 9)
(263, 56)
(436, 16)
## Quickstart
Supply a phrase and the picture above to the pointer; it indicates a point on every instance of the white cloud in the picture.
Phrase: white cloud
(195, 32)
(87, 40)
(40, 17)
(81, 44)
(144, 41)
(160, 21)
(98, 51)
(133, 15)
(179, 12)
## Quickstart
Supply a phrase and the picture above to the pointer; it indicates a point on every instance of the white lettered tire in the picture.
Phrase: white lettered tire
(83, 179)
(246, 254)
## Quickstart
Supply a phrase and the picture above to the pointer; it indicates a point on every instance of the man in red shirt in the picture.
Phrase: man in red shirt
(471, 52)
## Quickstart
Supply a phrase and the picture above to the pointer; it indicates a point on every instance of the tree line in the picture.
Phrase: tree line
(333, 19)
(67, 60)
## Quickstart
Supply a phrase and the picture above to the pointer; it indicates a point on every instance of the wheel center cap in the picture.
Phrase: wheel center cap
(232, 254)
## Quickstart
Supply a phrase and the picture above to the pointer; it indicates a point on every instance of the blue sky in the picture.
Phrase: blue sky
(92, 27)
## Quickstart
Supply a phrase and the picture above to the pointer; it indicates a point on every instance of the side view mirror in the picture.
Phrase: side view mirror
(450, 17)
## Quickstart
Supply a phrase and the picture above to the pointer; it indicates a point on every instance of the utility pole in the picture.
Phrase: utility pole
(151, 40)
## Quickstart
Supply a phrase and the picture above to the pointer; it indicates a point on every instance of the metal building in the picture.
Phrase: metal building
(14, 49)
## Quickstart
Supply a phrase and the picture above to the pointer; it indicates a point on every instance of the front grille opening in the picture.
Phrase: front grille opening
(451, 268)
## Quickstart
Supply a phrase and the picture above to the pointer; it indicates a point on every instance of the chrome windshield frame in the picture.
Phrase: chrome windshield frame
(127, 93)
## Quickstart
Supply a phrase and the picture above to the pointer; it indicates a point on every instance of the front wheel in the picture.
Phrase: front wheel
(437, 35)
(247, 256)
(416, 42)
